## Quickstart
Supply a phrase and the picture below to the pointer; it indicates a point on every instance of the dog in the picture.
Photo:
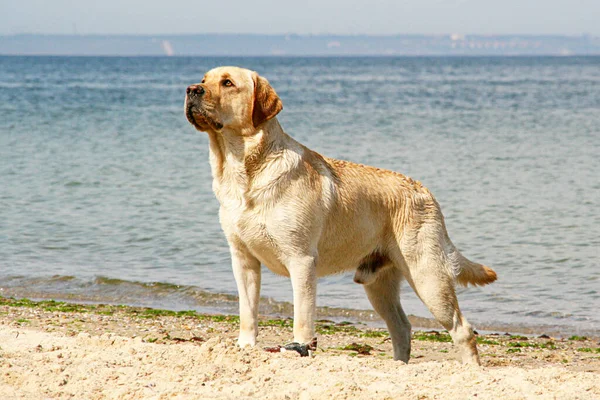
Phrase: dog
(304, 216)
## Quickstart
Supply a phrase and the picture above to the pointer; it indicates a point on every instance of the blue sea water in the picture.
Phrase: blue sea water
(105, 189)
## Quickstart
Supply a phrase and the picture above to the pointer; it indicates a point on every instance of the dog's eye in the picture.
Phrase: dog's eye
(227, 83)
(203, 80)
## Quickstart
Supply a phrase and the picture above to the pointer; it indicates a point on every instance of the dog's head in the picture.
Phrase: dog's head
(231, 98)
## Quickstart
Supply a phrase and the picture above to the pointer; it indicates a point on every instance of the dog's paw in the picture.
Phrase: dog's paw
(246, 340)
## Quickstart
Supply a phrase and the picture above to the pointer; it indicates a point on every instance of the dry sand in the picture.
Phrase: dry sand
(109, 352)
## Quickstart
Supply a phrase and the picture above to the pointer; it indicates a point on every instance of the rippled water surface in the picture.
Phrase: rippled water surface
(105, 189)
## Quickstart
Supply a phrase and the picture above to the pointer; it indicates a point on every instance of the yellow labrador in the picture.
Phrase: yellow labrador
(304, 216)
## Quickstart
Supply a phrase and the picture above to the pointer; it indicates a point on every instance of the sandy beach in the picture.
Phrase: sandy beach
(58, 350)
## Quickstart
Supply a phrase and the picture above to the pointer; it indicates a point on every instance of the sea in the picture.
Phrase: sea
(105, 188)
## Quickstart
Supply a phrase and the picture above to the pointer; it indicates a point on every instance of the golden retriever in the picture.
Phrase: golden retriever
(304, 215)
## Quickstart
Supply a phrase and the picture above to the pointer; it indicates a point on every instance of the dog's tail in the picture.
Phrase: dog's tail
(474, 273)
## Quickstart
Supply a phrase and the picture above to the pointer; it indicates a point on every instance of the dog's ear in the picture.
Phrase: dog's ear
(266, 102)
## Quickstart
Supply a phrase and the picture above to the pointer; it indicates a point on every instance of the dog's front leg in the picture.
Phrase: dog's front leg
(304, 284)
(246, 269)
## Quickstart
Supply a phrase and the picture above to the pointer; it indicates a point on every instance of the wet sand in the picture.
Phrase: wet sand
(59, 350)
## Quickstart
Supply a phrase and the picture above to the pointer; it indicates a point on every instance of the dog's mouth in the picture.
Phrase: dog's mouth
(201, 119)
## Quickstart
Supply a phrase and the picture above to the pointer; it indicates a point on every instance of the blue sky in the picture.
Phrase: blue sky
(303, 16)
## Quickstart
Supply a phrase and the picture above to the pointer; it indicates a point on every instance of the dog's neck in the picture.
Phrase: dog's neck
(235, 158)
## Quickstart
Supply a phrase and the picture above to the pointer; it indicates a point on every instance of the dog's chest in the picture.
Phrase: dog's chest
(254, 230)
(247, 223)
(250, 224)
(247, 206)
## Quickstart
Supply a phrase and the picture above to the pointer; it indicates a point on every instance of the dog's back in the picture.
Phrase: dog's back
(389, 212)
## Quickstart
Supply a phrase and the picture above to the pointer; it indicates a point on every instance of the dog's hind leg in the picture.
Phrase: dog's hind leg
(383, 290)
(435, 287)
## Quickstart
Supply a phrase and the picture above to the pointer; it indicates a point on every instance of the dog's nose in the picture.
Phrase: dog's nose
(195, 89)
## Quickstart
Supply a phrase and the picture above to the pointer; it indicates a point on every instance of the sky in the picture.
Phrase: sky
(379, 17)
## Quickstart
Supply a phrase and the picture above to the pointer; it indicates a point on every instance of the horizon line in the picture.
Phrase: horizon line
(307, 55)
(582, 34)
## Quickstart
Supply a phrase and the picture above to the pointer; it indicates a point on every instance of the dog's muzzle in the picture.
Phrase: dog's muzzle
(189, 112)
(195, 90)
(195, 111)
(193, 96)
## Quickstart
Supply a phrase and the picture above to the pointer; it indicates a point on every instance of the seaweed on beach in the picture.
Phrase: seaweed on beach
(362, 349)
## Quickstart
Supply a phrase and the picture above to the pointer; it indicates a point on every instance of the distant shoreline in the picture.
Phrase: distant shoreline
(293, 45)
(271, 56)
